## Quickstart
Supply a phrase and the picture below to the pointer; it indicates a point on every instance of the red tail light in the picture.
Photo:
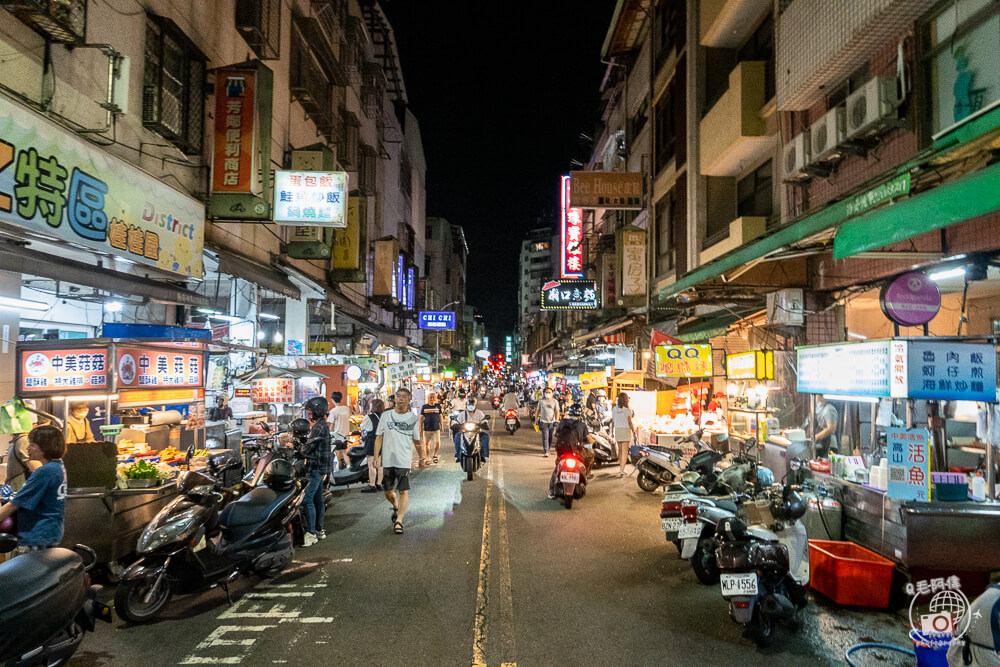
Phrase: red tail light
(512, 413)
(689, 512)
(571, 463)
(741, 605)
(670, 506)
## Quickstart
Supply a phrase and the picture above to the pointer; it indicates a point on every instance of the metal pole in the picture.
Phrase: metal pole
(909, 413)
(991, 491)
(812, 424)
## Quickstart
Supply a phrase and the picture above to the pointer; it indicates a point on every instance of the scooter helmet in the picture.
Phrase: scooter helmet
(279, 476)
(575, 410)
(461, 393)
(791, 507)
(690, 477)
(300, 427)
(733, 529)
(317, 407)
(764, 476)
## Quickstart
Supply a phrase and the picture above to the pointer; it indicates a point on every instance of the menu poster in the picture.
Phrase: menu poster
(54, 371)
(195, 417)
(909, 463)
(273, 390)
(152, 367)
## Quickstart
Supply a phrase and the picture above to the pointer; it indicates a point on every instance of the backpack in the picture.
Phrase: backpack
(369, 438)
(566, 435)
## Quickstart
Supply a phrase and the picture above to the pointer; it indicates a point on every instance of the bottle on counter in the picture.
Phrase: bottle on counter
(978, 487)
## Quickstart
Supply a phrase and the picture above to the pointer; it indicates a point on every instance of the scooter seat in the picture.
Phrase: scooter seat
(727, 505)
(252, 508)
(356, 452)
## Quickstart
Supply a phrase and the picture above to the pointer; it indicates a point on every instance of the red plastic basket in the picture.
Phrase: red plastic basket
(850, 574)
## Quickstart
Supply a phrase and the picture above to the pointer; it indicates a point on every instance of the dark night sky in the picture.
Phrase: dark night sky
(501, 90)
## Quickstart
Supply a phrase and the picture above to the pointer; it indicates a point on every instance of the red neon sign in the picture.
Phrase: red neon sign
(572, 236)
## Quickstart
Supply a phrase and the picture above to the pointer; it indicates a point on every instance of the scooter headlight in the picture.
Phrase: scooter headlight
(470, 426)
(174, 529)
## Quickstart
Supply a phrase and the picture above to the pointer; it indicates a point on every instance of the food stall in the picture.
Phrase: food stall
(274, 390)
(130, 384)
(903, 500)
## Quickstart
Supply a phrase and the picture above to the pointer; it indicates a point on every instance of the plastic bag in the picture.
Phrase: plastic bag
(14, 417)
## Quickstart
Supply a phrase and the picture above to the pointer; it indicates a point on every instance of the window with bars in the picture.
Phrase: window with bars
(350, 138)
(310, 86)
(367, 170)
(754, 193)
(671, 19)
(259, 21)
(405, 175)
(670, 130)
(665, 250)
(173, 82)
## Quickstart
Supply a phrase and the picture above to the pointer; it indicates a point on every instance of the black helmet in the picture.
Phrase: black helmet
(300, 427)
(791, 507)
(279, 475)
(461, 393)
(316, 407)
(575, 410)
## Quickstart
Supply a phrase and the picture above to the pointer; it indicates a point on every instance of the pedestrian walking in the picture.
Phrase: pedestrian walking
(621, 418)
(396, 436)
(41, 503)
(430, 429)
(368, 431)
(546, 417)
(317, 467)
(340, 418)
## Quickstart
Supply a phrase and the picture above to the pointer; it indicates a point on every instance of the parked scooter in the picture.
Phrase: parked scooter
(356, 470)
(512, 421)
(470, 452)
(48, 604)
(657, 467)
(190, 546)
(764, 568)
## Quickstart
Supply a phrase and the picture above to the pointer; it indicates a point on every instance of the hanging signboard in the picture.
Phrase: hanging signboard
(911, 299)
(158, 368)
(400, 371)
(144, 398)
(569, 295)
(384, 276)
(951, 371)
(348, 262)
(571, 265)
(909, 463)
(314, 198)
(436, 319)
(633, 262)
(59, 185)
(750, 366)
(233, 167)
(683, 361)
(594, 380)
(855, 369)
(43, 372)
(606, 189)
(273, 390)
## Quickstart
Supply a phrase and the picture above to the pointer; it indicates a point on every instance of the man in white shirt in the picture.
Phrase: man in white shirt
(340, 427)
(395, 438)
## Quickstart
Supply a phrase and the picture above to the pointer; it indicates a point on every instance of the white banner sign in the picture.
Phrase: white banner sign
(400, 371)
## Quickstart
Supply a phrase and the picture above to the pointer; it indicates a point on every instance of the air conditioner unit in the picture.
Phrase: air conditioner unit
(827, 134)
(786, 307)
(869, 107)
(797, 152)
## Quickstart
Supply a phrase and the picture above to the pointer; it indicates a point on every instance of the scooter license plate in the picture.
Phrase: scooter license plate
(511, 422)
(672, 524)
(569, 477)
(689, 530)
(738, 584)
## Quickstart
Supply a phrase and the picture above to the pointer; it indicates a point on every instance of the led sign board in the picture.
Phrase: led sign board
(313, 198)
(683, 361)
(443, 320)
(571, 263)
(569, 295)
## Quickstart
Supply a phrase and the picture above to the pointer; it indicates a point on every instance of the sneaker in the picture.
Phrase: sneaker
(551, 496)
(309, 540)
(321, 535)
(378, 487)
(546, 455)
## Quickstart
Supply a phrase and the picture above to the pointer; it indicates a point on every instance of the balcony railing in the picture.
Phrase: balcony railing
(733, 132)
(741, 230)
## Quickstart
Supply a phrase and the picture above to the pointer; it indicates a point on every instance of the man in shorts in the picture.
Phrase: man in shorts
(397, 434)
(430, 429)
(340, 420)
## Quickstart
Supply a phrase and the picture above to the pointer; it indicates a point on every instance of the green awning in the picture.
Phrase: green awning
(960, 200)
(702, 334)
(709, 327)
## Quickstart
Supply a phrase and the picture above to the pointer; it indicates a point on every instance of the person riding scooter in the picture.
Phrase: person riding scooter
(571, 434)
(470, 414)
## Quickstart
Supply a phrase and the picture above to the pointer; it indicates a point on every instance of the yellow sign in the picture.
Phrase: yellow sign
(594, 380)
(348, 240)
(750, 366)
(144, 398)
(320, 347)
(674, 361)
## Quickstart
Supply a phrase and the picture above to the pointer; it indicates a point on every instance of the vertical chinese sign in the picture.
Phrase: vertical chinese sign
(633, 263)
(909, 464)
(571, 264)
(233, 166)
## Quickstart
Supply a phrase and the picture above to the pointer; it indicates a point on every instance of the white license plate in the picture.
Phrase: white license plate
(569, 477)
(738, 584)
(688, 547)
(672, 524)
(688, 530)
(511, 421)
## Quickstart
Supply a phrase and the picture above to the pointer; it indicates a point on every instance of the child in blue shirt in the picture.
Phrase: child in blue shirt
(41, 503)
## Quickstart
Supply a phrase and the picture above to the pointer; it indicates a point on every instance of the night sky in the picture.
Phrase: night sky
(502, 92)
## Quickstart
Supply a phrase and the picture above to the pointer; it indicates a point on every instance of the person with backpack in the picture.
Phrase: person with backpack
(571, 435)
(368, 430)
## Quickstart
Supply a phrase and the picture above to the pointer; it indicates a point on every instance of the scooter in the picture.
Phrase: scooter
(512, 421)
(496, 402)
(657, 467)
(190, 546)
(356, 470)
(605, 448)
(764, 568)
(569, 480)
(48, 604)
(470, 452)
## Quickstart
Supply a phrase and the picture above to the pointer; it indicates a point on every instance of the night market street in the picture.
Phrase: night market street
(594, 585)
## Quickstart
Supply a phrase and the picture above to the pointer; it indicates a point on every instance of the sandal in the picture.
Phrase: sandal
(397, 528)
(395, 514)
(436, 461)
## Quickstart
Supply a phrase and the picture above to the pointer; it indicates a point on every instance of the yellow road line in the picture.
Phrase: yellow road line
(506, 592)
(482, 598)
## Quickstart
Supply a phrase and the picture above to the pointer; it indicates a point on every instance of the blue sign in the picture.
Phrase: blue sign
(951, 371)
(443, 320)
(153, 331)
(909, 463)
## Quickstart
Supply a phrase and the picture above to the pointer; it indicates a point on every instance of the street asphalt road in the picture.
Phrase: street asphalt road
(539, 585)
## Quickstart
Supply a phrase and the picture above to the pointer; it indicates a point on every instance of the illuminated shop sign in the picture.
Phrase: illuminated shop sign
(314, 198)
(571, 265)
(569, 295)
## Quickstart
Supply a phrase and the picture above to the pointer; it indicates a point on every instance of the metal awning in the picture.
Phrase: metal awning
(236, 265)
(18, 259)
(603, 331)
(547, 345)
(947, 204)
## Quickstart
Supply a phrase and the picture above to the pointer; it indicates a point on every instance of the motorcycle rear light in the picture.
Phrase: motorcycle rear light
(571, 463)
(741, 605)
(689, 512)
(643, 452)
(670, 506)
